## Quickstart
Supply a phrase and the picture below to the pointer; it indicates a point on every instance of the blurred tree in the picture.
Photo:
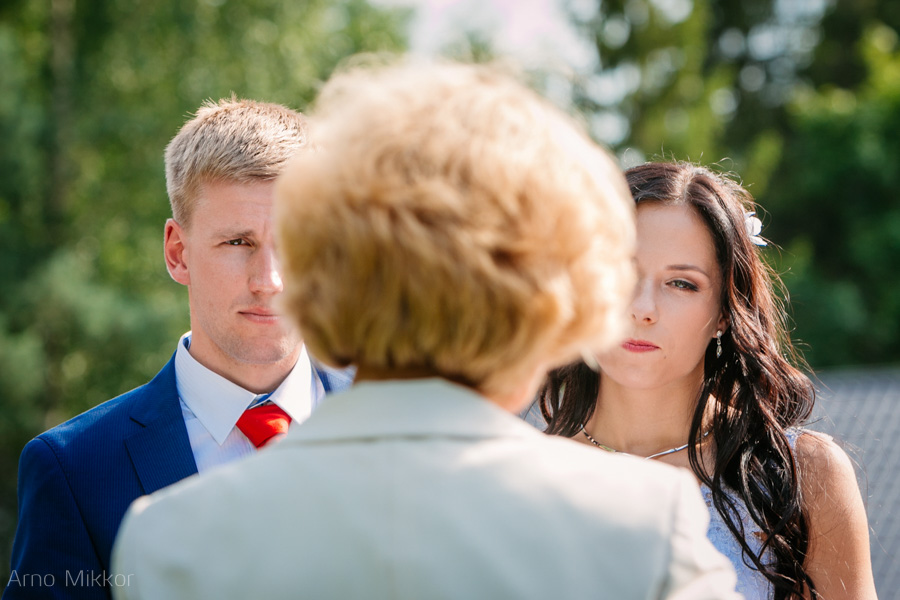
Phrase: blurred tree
(800, 99)
(696, 80)
(832, 197)
(90, 94)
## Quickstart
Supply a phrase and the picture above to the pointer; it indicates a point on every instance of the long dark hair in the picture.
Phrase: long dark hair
(759, 391)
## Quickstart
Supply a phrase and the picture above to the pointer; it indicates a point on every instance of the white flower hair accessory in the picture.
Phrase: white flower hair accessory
(754, 227)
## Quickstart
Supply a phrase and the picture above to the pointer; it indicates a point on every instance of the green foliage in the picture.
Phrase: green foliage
(657, 71)
(805, 106)
(90, 94)
(833, 198)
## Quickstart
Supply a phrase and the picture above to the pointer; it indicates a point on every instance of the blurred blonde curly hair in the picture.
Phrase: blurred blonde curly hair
(452, 222)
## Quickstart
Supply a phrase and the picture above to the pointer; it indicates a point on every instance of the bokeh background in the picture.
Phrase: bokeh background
(800, 99)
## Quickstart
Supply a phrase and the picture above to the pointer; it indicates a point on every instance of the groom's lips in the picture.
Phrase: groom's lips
(263, 316)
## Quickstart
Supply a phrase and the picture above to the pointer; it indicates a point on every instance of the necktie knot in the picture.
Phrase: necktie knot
(262, 423)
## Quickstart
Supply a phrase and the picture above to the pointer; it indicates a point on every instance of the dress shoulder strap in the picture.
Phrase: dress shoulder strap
(794, 433)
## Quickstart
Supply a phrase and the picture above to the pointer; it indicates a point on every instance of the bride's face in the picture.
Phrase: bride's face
(676, 309)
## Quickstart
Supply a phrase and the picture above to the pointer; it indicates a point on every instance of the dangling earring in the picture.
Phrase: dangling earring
(719, 344)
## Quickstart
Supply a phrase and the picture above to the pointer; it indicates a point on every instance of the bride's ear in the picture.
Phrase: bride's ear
(723, 324)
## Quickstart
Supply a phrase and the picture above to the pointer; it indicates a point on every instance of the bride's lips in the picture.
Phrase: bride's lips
(639, 346)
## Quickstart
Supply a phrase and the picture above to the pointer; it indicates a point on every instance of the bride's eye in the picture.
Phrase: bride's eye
(683, 284)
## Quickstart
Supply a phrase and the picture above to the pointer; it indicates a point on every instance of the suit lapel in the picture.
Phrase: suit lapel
(159, 447)
(334, 380)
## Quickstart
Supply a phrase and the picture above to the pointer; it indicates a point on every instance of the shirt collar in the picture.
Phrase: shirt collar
(218, 403)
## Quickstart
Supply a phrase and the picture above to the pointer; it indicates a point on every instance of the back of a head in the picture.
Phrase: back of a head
(453, 222)
(232, 140)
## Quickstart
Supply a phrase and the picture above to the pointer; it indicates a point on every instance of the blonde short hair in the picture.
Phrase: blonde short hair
(232, 140)
(452, 222)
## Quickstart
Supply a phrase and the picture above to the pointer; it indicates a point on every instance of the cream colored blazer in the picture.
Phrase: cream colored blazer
(416, 490)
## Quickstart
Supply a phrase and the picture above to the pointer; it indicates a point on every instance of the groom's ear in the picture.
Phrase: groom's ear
(175, 252)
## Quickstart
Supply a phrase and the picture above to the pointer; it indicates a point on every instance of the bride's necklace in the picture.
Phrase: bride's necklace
(657, 455)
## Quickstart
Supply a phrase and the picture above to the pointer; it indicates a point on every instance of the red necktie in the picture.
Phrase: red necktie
(262, 423)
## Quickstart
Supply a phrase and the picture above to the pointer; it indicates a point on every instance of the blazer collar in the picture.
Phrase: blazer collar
(159, 446)
(154, 400)
(333, 380)
(420, 407)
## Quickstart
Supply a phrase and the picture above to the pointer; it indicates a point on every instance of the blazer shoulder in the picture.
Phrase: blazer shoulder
(659, 509)
(648, 492)
(110, 420)
(650, 476)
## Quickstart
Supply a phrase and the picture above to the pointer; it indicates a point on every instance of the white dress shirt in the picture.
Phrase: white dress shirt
(211, 405)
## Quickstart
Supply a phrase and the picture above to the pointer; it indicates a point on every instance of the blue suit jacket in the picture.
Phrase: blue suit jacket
(77, 480)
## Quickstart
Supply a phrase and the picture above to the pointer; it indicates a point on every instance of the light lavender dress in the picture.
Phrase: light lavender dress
(750, 582)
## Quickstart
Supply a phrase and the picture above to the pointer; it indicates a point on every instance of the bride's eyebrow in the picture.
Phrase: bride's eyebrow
(687, 268)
